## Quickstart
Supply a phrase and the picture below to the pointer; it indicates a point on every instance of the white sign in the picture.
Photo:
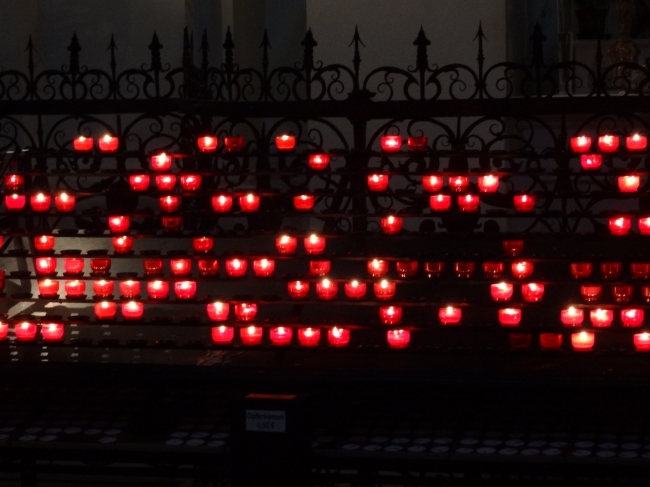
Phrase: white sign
(266, 421)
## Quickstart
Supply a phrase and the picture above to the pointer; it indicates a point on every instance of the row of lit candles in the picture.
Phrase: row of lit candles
(534, 292)
(609, 143)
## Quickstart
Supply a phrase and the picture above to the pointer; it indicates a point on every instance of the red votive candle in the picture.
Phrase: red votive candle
(190, 182)
(45, 265)
(629, 184)
(263, 267)
(185, 289)
(434, 268)
(14, 182)
(450, 315)
(608, 143)
(169, 203)
(319, 267)
(391, 143)
(52, 332)
(581, 270)
(468, 202)
(44, 243)
(636, 142)
(222, 335)
(64, 202)
(4, 330)
(48, 288)
(640, 270)
(417, 144)
(83, 144)
(132, 310)
(286, 244)
(377, 267)
(108, 143)
(249, 203)
(338, 337)
(319, 162)
(218, 311)
(40, 202)
(119, 223)
(391, 225)
(398, 338)
(308, 337)
(488, 183)
(642, 342)
(632, 317)
(512, 248)
(105, 310)
(158, 289)
(611, 271)
(234, 143)
(492, 270)
(355, 289)
(384, 289)
(326, 289)
(622, 293)
(464, 270)
(129, 289)
(572, 316)
(74, 289)
(524, 203)
(390, 315)
(202, 244)
(591, 292)
(501, 291)
(15, 201)
(314, 244)
(522, 269)
(520, 341)
(207, 143)
(601, 318)
(73, 265)
(281, 336)
(378, 182)
(620, 225)
(509, 316)
(122, 244)
(251, 335)
(591, 162)
(406, 268)
(303, 202)
(221, 203)
(285, 142)
(165, 182)
(180, 267)
(139, 182)
(432, 183)
(245, 311)
(440, 202)
(236, 267)
(581, 143)
(583, 341)
(25, 331)
(103, 288)
(532, 292)
(152, 267)
(298, 289)
(458, 184)
(550, 341)
(161, 162)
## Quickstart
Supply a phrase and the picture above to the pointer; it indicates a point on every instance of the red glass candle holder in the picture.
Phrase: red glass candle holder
(308, 337)
(644, 226)
(108, 143)
(509, 317)
(161, 162)
(601, 318)
(180, 267)
(40, 202)
(172, 223)
(263, 267)
(169, 203)
(417, 144)
(378, 182)
(608, 143)
(221, 203)
(222, 335)
(45, 266)
(622, 293)
(469, 203)
(64, 202)
(572, 316)
(14, 182)
(218, 311)
(319, 267)
(129, 289)
(632, 317)
(581, 270)
(532, 292)
(581, 143)
(629, 184)
(234, 143)
(406, 268)
(48, 288)
(251, 335)
(139, 182)
(4, 330)
(391, 225)
(640, 270)
(488, 183)
(520, 341)
(450, 315)
(103, 288)
(52, 332)
(432, 183)
(208, 267)
(74, 289)
(14, 201)
(105, 310)
(524, 203)
(152, 267)
(440, 202)
(236, 267)
(458, 184)
(355, 289)
(285, 142)
(326, 289)
(319, 162)
(303, 202)
(522, 269)
(158, 289)
(390, 315)
(119, 223)
(286, 244)
(591, 292)
(513, 248)
(550, 341)
(583, 341)
(83, 144)
(464, 270)
(338, 337)
(132, 310)
(642, 342)
(611, 271)
(185, 289)
(207, 143)
(591, 162)
(249, 203)
(190, 182)
(25, 331)
(44, 243)
(384, 289)
(620, 225)
(377, 267)
(434, 268)
(492, 270)
(202, 244)
(314, 244)
(165, 182)
(636, 142)
(501, 291)
(298, 289)
(398, 338)
(281, 336)
(391, 143)
(245, 311)
(122, 244)
(73, 266)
